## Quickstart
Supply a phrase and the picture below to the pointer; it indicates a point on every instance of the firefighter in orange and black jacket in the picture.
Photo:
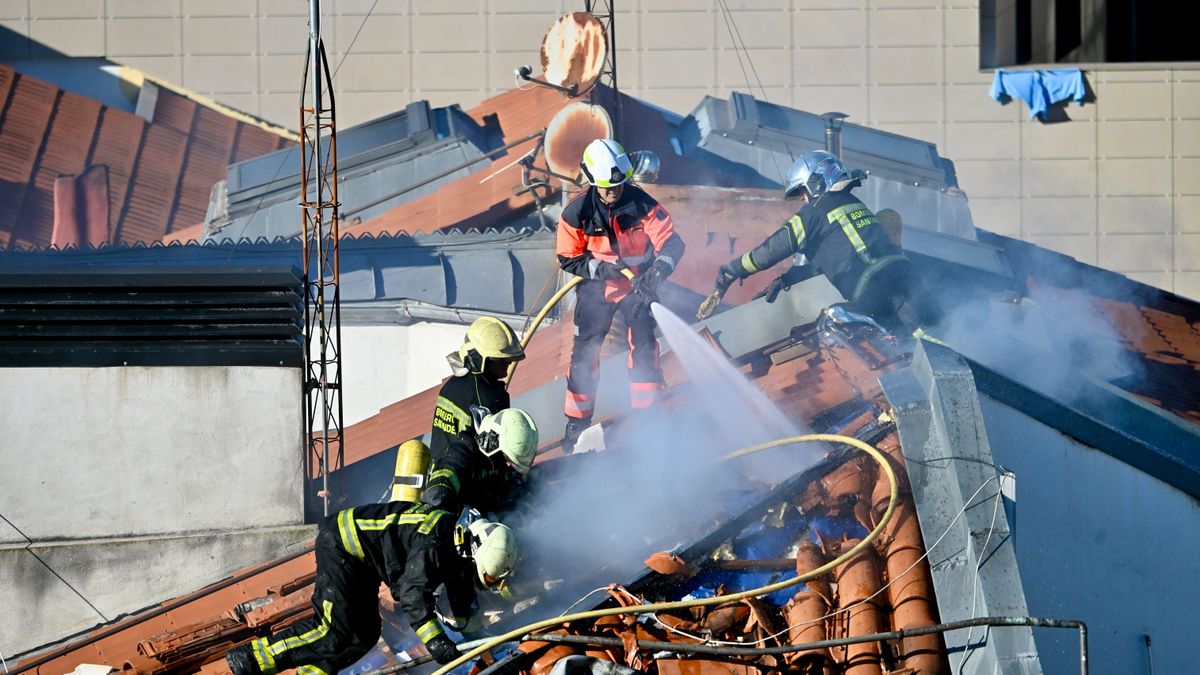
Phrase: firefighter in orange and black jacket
(623, 243)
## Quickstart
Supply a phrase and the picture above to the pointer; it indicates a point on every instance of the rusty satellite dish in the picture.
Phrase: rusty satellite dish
(569, 133)
(573, 52)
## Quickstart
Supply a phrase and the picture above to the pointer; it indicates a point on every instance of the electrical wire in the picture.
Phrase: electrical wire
(975, 578)
(866, 541)
(353, 40)
(928, 550)
(590, 594)
(29, 543)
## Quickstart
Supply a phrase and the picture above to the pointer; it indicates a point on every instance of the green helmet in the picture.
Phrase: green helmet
(489, 338)
(494, 548)
(512, 432)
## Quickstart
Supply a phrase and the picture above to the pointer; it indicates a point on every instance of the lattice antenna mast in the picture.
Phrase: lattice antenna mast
(322, 306)
(606, 13)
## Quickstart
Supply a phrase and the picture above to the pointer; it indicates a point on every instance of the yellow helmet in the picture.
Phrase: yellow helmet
(512, 432)
(489, 338)
(493, 546)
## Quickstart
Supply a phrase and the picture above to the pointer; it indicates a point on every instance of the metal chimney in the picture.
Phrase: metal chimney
(833, 132)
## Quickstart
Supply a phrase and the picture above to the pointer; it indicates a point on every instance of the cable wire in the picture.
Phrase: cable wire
(975, 578)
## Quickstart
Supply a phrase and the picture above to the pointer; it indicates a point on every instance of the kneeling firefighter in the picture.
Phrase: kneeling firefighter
(414, 549)
(843, 240)
(475, 389)
(485, 470)
(623, 243)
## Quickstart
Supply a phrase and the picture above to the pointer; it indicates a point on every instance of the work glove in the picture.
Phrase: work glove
(442, 649)
(609, 271)
(647, 282)
(792, 276)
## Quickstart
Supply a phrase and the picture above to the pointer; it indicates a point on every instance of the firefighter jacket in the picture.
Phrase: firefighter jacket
(452, 416)
(460, 475)
(841, 237)
(634, 232)
(411, 548)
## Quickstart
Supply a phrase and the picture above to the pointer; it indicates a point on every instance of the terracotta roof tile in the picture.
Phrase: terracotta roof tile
(46, 133)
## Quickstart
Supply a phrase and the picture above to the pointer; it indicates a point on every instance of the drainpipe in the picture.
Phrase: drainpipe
(833, 132)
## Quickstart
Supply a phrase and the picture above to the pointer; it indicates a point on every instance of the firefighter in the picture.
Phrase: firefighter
(477, 386)
(486, 470)
(843, 240)
(623, 243)
(414, 549)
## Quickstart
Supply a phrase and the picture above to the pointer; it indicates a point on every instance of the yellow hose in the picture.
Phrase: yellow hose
(721, 599)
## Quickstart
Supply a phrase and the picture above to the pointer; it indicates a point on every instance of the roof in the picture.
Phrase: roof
(159, 172)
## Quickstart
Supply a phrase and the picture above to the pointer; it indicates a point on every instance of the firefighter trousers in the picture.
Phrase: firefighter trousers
(593, 319)
(346, 624)
(897, 299)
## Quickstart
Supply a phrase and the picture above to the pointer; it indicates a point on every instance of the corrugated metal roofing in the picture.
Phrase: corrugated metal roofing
(160, 173)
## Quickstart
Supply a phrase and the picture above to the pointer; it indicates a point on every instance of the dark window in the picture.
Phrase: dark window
(1023, 32)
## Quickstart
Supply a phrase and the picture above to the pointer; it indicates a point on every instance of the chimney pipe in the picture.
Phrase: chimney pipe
(833, 132)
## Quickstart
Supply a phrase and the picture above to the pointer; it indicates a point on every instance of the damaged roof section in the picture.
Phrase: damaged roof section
(77, 172)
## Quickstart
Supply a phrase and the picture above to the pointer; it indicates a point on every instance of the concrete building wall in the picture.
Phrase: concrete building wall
(109, 482)
(1118, 185)
(1131, 542)
(389, 363)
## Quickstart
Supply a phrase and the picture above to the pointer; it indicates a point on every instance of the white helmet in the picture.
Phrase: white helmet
(494, 548)
(512, 432)
(814, 172)
(605, 163)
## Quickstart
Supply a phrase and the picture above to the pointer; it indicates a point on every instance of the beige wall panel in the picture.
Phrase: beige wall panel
(284, 108)
(906, 65)
(77, 37)
(629, 64)
(982, 140)
(962, 28)
(932, 133)
(1185, 137)
(962, 67)
(1187, 284)
(444, 33)
(1187, 176)
(850, 100)
(230, 8)
(467, 98)
(1134, 139)
(282, 8)
(143, 37)
(168, 68)
(14, 9)
(906, 103)
(1158, 279)
(754, 29)
(283, 73)
(1135, 252)
(439, 72)
(375, 73)
(220, 36)
(530, 6)
(1002, 216)
(362, 106)
(66, 9)
(375, 7)
(1065, 140)
(829, 66)
(519, 33)
(904, 4)
(1059, 215)
(678, 30)
(1081, 247)
(449, 6)
(1134, 215)
(247, 103)
(675, 99)
(1129, 76)
(391, 34)
(144, 8)
(284, 35)
(1135, 177)
(988, 178)
(1132, 101)
(1187, 213)
(1186, 100)
(1187, 252)
(1058, 177)
(972, 104)
(768, 67)
(780, 5)
(905, 28)
(678, 69)
(838, 28)
(227, 74)
(828, 4)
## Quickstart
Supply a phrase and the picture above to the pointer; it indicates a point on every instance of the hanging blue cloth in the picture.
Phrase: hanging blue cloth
(1039, 88)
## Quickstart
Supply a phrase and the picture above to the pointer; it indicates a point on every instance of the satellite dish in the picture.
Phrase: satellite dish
(569, 133)
(573, 52)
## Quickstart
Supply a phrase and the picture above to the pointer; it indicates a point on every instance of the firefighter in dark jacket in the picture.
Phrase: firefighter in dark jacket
(484, 468)
(477, 386)
(845, 241)
(623, 243)
(414, 549)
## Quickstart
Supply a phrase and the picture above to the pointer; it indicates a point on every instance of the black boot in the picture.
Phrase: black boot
(241, 662)
(575, 427)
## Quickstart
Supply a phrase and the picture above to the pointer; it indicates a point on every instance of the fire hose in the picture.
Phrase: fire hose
(875, 454)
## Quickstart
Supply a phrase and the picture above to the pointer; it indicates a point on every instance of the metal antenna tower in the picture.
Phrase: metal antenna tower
(322, 301)
(607, 15)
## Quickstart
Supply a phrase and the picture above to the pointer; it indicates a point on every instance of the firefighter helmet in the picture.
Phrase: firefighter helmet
(815, 172)
(605, 163)
(494, 548)
(511, 432)
(489, 338)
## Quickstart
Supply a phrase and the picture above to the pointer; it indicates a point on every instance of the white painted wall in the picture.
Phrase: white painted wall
(123, 487)
(386, 364)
